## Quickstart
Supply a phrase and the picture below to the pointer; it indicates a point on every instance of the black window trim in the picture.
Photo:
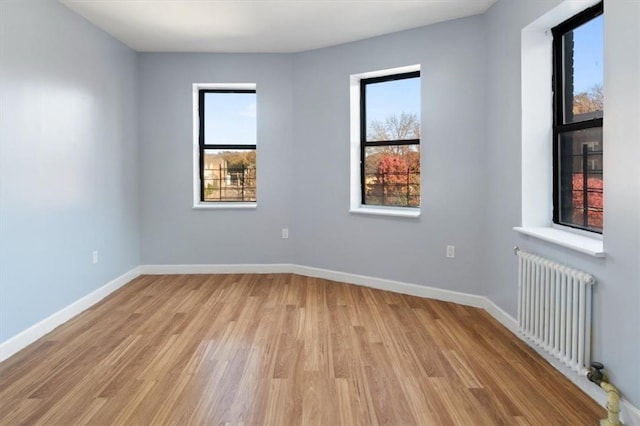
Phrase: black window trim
(203, 146)
(559, 126)
(363, 128)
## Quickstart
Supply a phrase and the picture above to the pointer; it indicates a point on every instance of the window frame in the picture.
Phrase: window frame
(559, 89)
(199, 91)
(364, 143)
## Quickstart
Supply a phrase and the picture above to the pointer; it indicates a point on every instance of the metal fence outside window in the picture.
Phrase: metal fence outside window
(230, 183)
(400, 189)
(587, 189)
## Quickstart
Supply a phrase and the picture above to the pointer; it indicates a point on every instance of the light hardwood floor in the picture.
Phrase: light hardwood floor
(282, 349)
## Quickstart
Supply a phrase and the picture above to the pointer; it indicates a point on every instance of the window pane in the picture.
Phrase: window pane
(392, 175)
(229, 175)
(393, 110)
(230, 118)
(583, 74)
(581, 185)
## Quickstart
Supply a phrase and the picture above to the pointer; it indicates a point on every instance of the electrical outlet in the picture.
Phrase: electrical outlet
(95, 257)
(451, 252)
(285, 233)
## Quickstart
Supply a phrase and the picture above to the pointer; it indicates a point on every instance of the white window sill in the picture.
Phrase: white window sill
(583, 244)
(386, 211)
(224, 206)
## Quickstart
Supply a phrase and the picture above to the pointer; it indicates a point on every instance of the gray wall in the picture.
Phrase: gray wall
(452, 59)
(172, 231)
(617, 293)
(68, 160)
(71, 103)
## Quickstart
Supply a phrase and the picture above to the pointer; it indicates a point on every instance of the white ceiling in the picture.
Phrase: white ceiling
(262, 25)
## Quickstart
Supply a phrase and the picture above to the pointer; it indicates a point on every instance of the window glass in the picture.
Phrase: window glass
(578, 120)
(393, 110)
(392, 175)
(227, 145)
(229, 175)
(230, 118)
(390, 140)
(581, 198)
(583, 74)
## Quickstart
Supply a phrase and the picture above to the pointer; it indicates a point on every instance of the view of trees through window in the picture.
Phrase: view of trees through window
(391, 141)
(392, 172)
(579, 102)
(229, 175)
(228, 145)
(589, 102)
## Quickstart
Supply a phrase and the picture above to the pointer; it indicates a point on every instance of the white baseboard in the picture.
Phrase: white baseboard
(36, 331)
(629, 414)
(391, 285)
(501, 316)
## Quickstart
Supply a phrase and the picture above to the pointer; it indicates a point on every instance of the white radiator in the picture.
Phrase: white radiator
(554, 309)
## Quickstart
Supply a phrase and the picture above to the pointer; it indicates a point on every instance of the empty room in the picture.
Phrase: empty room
(327, 212)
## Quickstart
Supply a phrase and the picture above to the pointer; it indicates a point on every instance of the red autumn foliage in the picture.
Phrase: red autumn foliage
(396, 181)
(393, 170)
(594, 200)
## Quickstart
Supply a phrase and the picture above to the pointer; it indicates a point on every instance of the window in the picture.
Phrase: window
(227, 144)
(390, 140)
(577, 121)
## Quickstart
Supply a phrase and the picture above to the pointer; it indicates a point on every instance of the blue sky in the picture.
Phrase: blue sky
(393, 98)
(588, 55)
(230, 118)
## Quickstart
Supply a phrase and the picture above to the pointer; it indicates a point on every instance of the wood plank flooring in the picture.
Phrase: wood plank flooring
(282, 349)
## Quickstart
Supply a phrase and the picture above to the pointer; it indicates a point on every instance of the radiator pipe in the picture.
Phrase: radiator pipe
(613, 395)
